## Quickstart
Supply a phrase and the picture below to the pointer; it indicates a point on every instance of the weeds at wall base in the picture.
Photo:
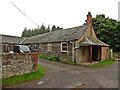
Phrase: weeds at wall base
(23, 78)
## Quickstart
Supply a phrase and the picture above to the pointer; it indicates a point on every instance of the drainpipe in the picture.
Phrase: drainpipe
(73, 51)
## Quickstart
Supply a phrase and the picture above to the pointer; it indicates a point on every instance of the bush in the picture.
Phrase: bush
(42, 56)
(49, 57)
(70, 62)
(53, 58)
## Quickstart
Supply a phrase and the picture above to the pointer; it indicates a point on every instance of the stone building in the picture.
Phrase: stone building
(7, 42)
(79, 44)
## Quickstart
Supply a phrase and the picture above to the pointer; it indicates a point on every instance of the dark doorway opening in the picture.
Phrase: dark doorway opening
(95, 53)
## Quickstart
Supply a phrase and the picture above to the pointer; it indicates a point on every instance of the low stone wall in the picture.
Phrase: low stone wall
(17, 64)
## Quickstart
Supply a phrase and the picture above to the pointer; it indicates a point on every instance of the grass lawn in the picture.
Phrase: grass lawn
(103, 63)
(23, 78)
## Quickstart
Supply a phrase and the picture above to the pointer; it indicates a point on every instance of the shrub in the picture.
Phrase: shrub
(49, 57)
(53, 58)
(42, 56)
(56, 58)
(70, 62)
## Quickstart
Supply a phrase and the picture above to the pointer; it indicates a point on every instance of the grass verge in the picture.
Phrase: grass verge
(23, 78)
(103, 63)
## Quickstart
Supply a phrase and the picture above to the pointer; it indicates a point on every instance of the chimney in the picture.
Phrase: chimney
(89, 19)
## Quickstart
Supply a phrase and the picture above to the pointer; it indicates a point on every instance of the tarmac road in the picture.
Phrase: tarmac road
(59, 75)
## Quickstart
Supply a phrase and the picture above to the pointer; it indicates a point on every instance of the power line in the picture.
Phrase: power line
(24, 14)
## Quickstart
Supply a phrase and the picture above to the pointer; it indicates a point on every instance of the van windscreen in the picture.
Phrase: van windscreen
(24, 48)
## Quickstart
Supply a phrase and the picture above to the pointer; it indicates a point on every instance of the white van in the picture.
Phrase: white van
(21, 49)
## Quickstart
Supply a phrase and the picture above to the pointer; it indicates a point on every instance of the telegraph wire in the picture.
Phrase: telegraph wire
(24, 14)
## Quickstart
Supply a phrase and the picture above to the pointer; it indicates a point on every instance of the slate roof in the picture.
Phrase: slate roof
(57, 36)
(87, 41)
(69, 34)
(10, 39)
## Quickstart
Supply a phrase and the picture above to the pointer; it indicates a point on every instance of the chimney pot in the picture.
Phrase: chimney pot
(89, 13)
(89, 19)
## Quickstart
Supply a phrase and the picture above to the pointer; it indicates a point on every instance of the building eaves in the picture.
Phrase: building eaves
(6, 39)
(88, 41)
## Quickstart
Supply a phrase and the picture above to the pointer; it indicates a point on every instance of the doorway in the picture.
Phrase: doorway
(95, 53)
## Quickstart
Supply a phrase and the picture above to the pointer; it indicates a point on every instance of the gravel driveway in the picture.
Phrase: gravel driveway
(59, 75)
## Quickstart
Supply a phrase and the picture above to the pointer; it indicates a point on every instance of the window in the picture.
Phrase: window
(64, 47)
(6, 48)
(34, 47)
(49, 48)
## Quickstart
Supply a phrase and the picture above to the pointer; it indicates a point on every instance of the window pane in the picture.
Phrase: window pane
(24, 48)
(64, 48)
(64, 44)
(49, 48)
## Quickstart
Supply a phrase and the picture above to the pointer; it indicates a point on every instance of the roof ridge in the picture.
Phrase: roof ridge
(55, 31)
(10, 36)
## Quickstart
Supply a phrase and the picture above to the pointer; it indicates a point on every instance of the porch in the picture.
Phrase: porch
(91, 50)
(88, 54)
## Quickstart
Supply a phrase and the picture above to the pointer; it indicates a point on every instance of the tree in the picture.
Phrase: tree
(24, 32)
(54, 28)
(48, 28)
(59, 28)
(28, 34)
(42, 27)
(32, 32)
(116, 38)
(107, 30)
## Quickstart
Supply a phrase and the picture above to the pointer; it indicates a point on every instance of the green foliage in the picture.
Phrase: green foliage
(23, 78)
(41, 56)
(103, 63)
(107, 30)
(54, 28)
(116, 55)
(70, 62)
(53, 58)
(49, 57)
(32, 32)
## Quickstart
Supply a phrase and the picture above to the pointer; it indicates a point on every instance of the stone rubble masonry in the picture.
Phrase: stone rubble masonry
(17, 64)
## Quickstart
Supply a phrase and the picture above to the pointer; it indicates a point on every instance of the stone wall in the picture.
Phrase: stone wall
(56, 50)
(82, 55)
(17, 64)
(104, 53)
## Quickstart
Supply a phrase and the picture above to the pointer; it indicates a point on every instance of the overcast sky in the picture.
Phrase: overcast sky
(64, 13)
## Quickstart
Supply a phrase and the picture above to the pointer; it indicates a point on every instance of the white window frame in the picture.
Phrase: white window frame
(49, 47)
(64, 46)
